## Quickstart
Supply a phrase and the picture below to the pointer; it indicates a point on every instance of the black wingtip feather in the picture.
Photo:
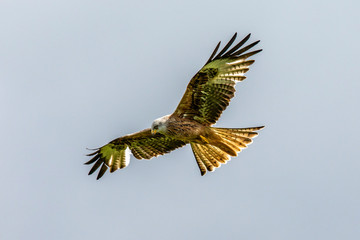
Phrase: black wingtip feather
(237, 46)
(214, 52)
(93, 153)
(92, 160)
(246, 55)
(102, 171)
(244, 49)
(227, 46)
(96, 166)
(235, 51)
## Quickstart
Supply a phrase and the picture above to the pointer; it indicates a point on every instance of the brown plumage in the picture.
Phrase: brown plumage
(206, 97)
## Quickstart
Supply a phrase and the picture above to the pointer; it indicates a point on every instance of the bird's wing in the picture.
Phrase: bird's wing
(142, 144)
(210, 90)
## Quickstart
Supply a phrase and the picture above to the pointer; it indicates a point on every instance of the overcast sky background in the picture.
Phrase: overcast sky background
(77, 74)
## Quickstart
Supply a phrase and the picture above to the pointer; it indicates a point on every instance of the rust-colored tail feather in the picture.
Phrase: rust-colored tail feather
(211, 156)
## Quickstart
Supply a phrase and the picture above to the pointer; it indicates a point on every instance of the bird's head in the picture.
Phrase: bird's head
(159, 125)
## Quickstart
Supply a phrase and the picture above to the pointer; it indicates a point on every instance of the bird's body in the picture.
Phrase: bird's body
(207, 95)
(186, 130)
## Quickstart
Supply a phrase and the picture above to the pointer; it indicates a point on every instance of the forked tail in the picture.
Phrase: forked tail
(233, 140)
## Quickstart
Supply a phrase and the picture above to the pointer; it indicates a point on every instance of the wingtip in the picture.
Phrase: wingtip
(93, 153)
(213, 53)
(94, 159)
(102, 171)
(92, 149)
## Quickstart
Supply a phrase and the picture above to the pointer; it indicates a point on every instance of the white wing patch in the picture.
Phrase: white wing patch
(126, 161)
(110, 162)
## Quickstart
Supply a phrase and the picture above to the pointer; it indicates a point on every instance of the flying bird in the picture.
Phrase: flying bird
(206, 97)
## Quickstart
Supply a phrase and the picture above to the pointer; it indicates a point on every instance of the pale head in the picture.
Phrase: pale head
(159, 125)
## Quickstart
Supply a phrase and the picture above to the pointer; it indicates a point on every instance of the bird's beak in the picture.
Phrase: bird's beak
(153, 131)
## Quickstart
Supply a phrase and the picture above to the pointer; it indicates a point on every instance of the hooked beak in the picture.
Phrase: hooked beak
(153, 131)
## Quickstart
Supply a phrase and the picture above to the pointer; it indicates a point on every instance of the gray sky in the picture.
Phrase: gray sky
(77, 74)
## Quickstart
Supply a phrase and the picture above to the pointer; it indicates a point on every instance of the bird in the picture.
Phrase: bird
(207, 95)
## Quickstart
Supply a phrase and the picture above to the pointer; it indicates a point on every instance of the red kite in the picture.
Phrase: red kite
(206, 97)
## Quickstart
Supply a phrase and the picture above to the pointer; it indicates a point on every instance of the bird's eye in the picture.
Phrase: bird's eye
(155, 127)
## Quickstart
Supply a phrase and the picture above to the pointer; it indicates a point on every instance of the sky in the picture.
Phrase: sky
(78, 74)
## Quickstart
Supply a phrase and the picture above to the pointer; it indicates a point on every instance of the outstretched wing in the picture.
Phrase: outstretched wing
(210, 90)
(142, 144)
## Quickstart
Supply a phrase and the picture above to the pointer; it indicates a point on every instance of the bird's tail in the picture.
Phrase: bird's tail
(233, 140)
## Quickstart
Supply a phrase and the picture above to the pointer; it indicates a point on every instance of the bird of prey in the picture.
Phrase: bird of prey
(206, 97)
